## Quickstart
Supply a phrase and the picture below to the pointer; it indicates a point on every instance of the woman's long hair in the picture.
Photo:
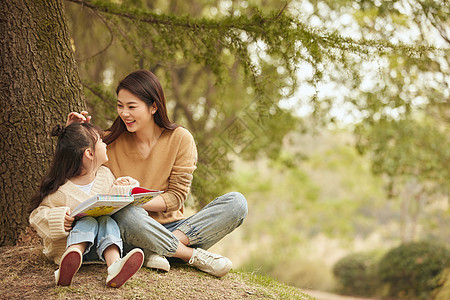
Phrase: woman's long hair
(146, 86)
(67, 161)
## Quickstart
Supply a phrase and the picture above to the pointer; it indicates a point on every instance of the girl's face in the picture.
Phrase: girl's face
(100, 152)
(133, 111)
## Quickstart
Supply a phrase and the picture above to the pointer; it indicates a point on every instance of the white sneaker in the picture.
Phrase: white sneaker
(70, 263)
(122, 270)
(210, 263)
(156, 261)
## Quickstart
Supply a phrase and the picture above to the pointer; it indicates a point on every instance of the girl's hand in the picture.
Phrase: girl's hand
(122, 181)
(68, 220)
(74, 117)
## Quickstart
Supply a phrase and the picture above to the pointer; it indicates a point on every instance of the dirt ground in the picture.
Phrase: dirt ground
(25, 273)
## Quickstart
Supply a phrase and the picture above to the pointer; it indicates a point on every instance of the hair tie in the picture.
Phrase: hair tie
(58, 130)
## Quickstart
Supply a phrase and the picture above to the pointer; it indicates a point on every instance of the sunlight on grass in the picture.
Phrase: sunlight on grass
(283, 291)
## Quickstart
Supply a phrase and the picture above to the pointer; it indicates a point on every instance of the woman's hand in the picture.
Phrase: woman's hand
(74, 117)
(122, 181)
(68, 220)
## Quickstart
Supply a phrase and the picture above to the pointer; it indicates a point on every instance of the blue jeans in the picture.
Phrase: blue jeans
(100, 232)
(204, 229)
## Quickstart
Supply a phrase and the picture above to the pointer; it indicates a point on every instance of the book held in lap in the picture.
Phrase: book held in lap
(101, 204)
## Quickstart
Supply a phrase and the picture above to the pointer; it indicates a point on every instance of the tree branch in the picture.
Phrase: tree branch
(97, 93)
(110, 41)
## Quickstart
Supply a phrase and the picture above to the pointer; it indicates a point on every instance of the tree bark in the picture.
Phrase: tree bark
(40, 85)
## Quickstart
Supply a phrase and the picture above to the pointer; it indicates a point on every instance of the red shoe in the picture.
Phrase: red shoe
(122, 270)
(70, 263)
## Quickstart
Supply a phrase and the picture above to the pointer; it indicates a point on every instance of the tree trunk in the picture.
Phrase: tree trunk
(40, 85)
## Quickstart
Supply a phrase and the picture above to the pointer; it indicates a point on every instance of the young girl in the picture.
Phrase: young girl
(76, 175)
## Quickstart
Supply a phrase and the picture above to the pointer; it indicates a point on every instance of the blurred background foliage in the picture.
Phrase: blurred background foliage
(332, 117)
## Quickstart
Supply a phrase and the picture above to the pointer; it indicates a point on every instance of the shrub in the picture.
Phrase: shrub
(410, 269)
(356, 274)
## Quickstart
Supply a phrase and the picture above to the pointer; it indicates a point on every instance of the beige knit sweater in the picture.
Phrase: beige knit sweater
(168, 167)
(48, 218)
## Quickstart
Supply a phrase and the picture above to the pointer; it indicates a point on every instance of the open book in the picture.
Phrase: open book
(101, 205)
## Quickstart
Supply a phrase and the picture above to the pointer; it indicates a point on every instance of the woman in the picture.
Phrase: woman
(144, 144)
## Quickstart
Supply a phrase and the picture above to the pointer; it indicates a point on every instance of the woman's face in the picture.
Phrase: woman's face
(133, 111)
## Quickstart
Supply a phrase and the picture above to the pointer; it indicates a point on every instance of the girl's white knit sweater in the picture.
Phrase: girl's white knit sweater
(48, 217)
